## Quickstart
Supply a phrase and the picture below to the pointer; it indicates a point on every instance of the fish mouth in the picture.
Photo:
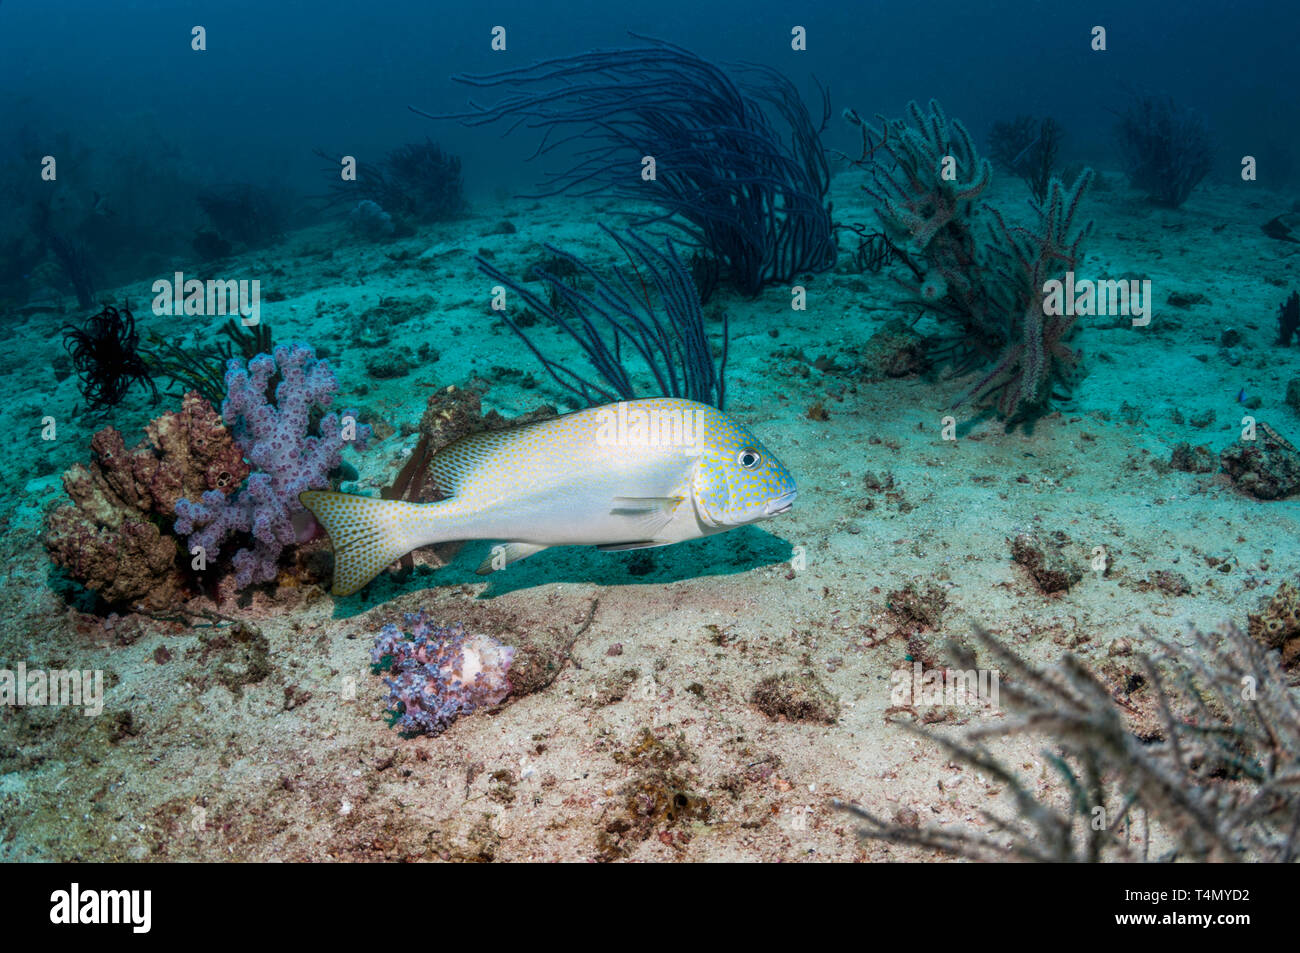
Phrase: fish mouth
(780, 504)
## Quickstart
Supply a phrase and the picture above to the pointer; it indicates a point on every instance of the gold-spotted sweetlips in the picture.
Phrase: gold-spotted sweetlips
(628, 475)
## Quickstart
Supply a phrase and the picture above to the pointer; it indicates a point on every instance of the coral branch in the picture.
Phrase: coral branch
(927, 180)
(287, 459)
(1220, 781)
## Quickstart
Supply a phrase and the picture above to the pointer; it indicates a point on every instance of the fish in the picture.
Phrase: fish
(629, 475)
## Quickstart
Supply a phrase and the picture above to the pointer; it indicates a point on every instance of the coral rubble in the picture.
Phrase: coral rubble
(1267, 467)
(1277, 625)
(1191, 459)
(1052, 569)
(113, 538)
(788, 696)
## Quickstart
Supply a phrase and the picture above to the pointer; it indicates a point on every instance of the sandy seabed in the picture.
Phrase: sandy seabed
(642, 739)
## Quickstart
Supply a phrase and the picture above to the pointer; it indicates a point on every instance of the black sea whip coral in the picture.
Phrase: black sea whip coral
(617, 320)
(740, 170)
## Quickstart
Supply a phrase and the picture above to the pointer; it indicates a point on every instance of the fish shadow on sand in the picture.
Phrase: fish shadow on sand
(737, 551)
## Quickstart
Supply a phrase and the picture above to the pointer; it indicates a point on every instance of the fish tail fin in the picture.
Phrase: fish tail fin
(367, 534)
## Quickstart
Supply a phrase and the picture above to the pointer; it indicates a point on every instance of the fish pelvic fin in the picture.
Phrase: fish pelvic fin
(505, 554)
(367, 534)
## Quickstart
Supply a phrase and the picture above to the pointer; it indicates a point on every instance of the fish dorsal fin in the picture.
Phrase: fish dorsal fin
(454, 463)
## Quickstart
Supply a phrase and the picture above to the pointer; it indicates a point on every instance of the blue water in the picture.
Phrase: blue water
(279, 79)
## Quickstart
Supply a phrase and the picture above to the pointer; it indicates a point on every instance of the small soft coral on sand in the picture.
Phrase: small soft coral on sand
(440, 674)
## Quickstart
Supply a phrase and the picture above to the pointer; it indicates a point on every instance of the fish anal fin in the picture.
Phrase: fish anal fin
(505, 554)
(620, 547)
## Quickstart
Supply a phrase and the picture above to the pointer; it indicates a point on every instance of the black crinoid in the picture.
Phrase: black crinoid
(106, 356)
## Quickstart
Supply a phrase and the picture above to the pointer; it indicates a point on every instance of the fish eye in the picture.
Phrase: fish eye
(748, 459)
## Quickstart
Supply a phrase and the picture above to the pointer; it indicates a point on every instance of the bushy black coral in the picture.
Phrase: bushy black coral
(1028, 148)
(420, 181)
(106, 356)
(1166, 148)
(417, 182)
(244, 213)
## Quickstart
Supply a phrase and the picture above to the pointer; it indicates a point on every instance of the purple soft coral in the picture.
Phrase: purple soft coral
(285, 459)
(440, 674)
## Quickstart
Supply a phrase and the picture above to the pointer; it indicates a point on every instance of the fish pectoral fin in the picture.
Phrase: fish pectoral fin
(619, 547)
(505, 554)
(645, 515)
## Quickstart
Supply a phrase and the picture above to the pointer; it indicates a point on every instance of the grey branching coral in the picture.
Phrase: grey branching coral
(985, 278)
(937, 175)
(1021, 262)
(1217, 782)
(115, 536)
